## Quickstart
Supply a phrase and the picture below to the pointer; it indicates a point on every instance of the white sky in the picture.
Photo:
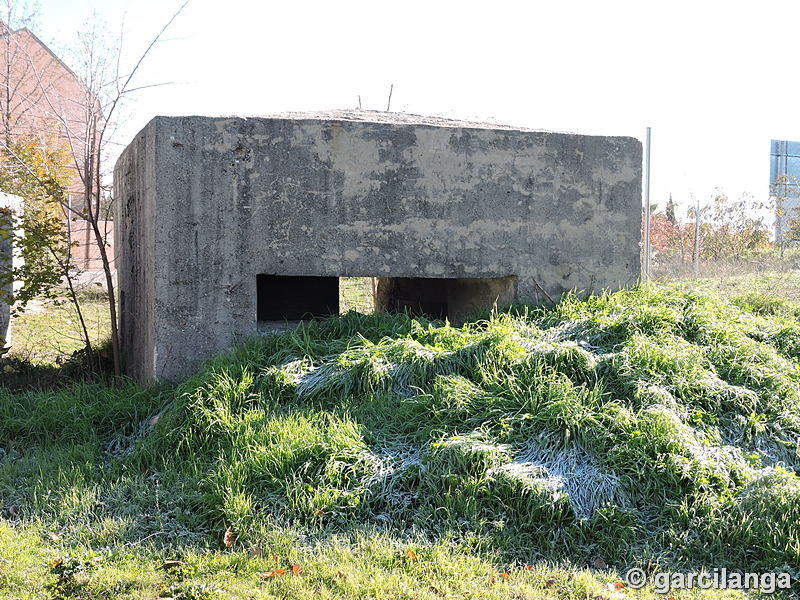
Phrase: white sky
(714, 80)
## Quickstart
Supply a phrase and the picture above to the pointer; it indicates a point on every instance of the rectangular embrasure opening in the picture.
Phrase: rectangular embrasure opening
(438, 298)
(418, 296)
(293, 298)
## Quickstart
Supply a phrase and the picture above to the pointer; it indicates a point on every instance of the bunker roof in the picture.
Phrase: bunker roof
(396, 118)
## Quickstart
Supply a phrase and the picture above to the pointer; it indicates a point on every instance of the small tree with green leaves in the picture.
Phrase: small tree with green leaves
(37, 235)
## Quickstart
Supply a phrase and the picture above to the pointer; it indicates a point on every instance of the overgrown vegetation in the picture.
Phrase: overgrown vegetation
(721, 237)
(394, 457)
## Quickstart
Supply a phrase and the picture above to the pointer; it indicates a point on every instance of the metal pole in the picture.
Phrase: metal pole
(783, 188)
(696, 253)
(647, 207)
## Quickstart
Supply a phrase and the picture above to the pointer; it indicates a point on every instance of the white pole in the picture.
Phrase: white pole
(647, 207)
(696, 253)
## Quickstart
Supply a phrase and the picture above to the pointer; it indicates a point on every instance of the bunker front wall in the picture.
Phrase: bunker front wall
(207, 204)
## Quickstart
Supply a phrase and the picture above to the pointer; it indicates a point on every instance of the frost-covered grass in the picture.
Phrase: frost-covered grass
(655, 428)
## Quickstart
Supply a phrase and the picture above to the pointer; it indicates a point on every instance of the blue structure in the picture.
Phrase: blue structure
(784, 184)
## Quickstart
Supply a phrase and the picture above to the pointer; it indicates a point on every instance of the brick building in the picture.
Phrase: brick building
(43, 100)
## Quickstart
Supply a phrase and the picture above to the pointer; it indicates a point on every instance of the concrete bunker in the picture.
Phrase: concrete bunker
(224, 223)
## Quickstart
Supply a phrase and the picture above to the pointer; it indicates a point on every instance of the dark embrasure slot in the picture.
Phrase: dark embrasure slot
(292, 298)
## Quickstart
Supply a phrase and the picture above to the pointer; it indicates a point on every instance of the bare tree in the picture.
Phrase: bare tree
(106, 87)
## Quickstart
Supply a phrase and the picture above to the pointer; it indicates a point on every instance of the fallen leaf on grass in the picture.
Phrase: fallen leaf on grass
(505, 575)
(229, 538)
(615, 589)
(271, 574)
(296, 569)
(173, 564)
(267, 574)
(412, 555)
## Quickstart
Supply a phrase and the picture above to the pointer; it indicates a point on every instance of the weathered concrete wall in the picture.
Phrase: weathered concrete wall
(10, 208)
(206, 204)
(134, 254)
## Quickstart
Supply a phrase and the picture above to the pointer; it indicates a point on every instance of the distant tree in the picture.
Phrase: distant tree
(16, 97)
(784, 197)
(671, 242)
(670, 211)
(734, 228)
(723, 229)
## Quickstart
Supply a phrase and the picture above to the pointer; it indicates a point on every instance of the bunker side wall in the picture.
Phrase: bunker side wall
(135, 180)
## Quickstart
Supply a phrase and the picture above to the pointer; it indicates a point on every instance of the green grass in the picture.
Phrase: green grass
(365, 566)
(770, 284)
(655, 428)
(49, 332)
(355, 293)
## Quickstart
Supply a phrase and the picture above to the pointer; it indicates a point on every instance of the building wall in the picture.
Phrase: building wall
(85, 252)
(204, 205)
(10, 206)
(784, 184)
(48, 104)
(48, 101)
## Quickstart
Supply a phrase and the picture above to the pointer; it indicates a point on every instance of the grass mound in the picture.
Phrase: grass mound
(396, 457)
(654, 425)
